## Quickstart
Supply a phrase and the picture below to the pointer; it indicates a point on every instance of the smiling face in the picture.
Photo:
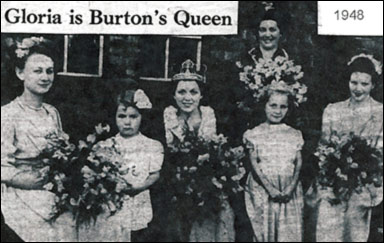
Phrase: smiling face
(37, 74)
(360, 86)
(188, 96)
(269, 34)
(276, 108)
(128, 121)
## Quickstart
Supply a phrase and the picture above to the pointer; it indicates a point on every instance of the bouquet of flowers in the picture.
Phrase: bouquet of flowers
(258, 79)
(347, 164)
(205, 173)
(86, 179)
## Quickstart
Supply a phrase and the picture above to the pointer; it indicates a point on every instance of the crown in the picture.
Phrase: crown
(188, 72)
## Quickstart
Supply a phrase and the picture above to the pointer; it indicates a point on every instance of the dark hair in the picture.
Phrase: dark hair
(41, 48)
(125, 98)
(202, 87)
(363, 65)
(278, 15)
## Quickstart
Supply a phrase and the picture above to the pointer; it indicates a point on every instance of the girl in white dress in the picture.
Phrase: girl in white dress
(274, 197)
(143, 159)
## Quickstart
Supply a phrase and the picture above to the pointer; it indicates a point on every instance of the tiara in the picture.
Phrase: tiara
(188, 73)
(378, 66)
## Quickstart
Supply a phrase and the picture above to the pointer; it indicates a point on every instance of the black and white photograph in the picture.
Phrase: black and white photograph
(176, 121)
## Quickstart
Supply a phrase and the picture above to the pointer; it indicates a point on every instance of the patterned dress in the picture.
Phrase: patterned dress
(23, 131)
(222, 229)
(350, 221)
(277, 147)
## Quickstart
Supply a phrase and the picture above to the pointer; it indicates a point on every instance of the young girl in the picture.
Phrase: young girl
(274, 197)
(143, 159)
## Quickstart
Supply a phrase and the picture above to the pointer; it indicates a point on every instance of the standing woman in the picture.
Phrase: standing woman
(269, 31)
(363, 116)
(188, 114)
(24, 124)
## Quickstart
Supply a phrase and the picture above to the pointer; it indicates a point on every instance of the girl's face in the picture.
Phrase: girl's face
(128, 121)
(269, 34)
(188, 96)
(276, 108)
(360, 86)
(38, 74)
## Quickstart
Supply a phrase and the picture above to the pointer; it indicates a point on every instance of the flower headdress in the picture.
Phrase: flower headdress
(298, 90)
(377, 64)
(23, 46)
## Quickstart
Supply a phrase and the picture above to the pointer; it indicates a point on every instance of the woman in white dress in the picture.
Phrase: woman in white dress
(190, 115)
(273, 195)
(363, 116)
(25, 122)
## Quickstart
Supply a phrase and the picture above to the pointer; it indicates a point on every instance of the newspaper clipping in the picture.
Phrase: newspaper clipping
(191, 121)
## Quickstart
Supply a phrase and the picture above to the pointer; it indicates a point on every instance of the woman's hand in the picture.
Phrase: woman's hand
(27, 180)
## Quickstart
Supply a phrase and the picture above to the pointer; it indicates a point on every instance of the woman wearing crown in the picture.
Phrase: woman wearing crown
(363, 116)
(187, 114)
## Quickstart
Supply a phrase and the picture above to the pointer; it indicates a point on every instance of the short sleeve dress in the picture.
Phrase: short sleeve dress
(276, 146)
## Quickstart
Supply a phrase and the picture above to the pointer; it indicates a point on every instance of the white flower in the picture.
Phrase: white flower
(239, 65)
(303, 89)
(299, 76)
(91, 138)
(82, 145)
(244, 77)
(217, 183)
(49, 186)
(354, 165)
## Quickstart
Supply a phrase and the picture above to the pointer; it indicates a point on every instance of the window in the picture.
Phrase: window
(161, 57)
(83, 55)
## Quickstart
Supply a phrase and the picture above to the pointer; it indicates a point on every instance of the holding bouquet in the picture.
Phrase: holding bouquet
(351, 161)
(206, 173)
(87, 180)
(264, 73)
(348, 164)
(189, 128)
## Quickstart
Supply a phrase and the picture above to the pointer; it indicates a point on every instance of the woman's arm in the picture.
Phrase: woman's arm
(288, 191)
(26, 180)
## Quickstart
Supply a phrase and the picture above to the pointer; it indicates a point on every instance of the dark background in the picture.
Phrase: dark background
(85, 102)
